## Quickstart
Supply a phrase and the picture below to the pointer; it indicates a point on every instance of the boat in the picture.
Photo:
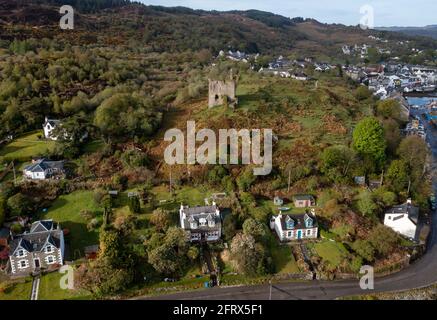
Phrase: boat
(284, 209)
(429, 88)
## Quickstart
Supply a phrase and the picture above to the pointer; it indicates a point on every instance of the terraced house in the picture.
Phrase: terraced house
(40, 249)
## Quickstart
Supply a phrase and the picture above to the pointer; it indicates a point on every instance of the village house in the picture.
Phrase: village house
(277, 201)
(295, 226)
(49, 126)
(304, 201)
(202, 224)
(43, 169)
(39, 249)
(403, 219)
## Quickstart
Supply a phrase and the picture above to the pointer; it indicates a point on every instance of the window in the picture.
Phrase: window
(309, 232)
(50, 259)
(22, 264)
(193, 225)
(20, 253)
(289, 234)
(211, 223)
(49, 249)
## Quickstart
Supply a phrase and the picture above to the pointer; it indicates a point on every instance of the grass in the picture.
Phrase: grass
(66, 210)
(50, 289)
(284, 260)
(19, 291)
(330, 251)
(26, 147)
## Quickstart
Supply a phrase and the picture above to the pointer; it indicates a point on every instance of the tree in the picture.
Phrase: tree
(229, 226)
(246, 179)
(336, 162)
(134, 204)
(366, 205)
(2, 210)
(193, 253)
(160, 219)
(362, 93)
(413, 150)
(397, 175)
(388, 109)
(139, 117)
(392, 135)
(246, 254)
(368, 140)
(383, 239)
(165, 260)
(19, 204)
(364, 249)
(256, 229)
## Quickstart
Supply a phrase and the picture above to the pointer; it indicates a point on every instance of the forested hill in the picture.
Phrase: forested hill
(110, 22)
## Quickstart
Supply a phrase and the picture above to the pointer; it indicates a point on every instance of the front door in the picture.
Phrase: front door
(299, 234)
(36, 263)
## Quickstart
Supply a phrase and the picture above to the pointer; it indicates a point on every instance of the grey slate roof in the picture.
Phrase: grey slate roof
(43, 164)
(406, 208)
(36, 239)
(299, 221)
(197, 213)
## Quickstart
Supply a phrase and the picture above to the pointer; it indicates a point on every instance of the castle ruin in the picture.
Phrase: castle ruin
(222, 93)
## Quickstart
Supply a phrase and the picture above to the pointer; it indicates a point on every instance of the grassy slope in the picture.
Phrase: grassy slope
(66, 210)
(25, 147)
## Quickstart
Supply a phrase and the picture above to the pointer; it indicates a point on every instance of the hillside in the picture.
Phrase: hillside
(427, 31)
(175, 29)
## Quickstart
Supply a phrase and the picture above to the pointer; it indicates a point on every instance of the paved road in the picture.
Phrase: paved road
(421, 273)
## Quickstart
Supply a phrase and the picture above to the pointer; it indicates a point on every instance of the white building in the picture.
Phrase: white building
(48, 126)
(202, 224)
(291, 227)
(403, 219)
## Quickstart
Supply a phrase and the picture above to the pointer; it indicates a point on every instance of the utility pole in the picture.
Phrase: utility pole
(289, 180)
(382, 177)
(409, 185)
(270, 294)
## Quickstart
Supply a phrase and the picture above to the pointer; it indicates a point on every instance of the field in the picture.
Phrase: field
(331, 252)
(66, 210)
(50, 289)
(26, 147)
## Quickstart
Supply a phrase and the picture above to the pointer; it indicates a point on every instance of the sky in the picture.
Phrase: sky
(386, 12)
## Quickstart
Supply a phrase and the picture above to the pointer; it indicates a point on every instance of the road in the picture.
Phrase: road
(419, 274)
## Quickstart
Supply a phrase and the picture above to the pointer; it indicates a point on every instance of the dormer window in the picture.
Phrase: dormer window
(289, 223)
(308, 222)
(211, 223)
(20, 253)
(193, 225)
(49, 249)
(202, 221)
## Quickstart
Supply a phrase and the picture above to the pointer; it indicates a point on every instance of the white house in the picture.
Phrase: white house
(403, 219)
(202, 224)
(44, 169)
(295, 226)
(50, 125)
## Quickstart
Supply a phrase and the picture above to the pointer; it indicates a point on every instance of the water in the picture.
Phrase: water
(420, 101)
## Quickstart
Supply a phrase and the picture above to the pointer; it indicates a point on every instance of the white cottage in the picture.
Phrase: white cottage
(403, 219)
(295, 226)
(202, 224)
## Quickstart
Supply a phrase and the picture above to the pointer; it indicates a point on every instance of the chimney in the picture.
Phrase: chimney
(409, 201)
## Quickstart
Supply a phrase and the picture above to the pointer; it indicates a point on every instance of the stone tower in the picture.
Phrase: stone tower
(222, 92)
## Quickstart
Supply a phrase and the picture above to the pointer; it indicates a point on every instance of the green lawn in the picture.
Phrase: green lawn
(26, 147)
(50, 289)
(66, 210)
(187, 195)
(20, 291)
(330, 251)
(284, 260)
